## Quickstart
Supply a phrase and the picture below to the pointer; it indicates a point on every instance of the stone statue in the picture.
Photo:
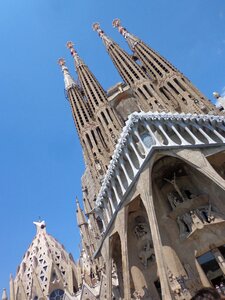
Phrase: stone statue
(187, 221)
(176, 187)
(182, 227)
(196, 220)
(141, 229)
(173, 199)
(146, 253)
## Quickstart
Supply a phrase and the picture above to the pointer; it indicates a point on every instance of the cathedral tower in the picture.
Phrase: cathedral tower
(142, 84)
(172, 83)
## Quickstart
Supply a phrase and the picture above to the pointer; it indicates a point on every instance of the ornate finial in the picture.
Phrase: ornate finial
(116, 23)
(40, 225)
(96, 27)
(78, 61)
(131, 39)
(61, 62)
(69, 82)
(70, 45)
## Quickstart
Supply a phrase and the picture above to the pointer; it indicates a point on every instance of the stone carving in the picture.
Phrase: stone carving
(197, 219)
(146, 253)
(141, 229)
(186, 121)
(178, 286)
(144, 241)
(176, 187)
(173, 199)
(144, 294)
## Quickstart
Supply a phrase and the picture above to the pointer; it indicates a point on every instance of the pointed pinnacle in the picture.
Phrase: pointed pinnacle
(107, 41)
(116, 23)
(131, 39)
(61, 61)
(77, 59)
(69, 82)
(4, 295)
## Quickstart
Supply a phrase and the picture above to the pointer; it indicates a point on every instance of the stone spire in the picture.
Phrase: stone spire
(81, 111)
(104, 130)
(81, 220)
(4, 295)
(87, 242)
(131, 39)
(11, 288)
(69, 82)
(45, 267)
(133, 75)
(156, 65)
(173, 86)
(93, 91)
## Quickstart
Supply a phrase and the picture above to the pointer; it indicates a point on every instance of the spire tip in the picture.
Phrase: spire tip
(95, 26)
(116, 22)
(69, 45)
(61, 61)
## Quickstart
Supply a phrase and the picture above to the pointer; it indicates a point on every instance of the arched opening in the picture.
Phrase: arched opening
(117, 268)
(141, 256)
(190, 213)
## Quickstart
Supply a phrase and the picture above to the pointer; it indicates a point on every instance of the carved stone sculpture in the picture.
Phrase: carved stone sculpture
(187, 221)
(146, 253)
(176, 187)
(141, 229)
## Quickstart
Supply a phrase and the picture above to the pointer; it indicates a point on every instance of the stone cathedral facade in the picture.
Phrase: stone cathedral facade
(153, 224)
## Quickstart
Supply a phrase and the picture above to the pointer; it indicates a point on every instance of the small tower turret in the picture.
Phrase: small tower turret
(46, 270)
(97, 99)
(87, 242)
(4, 295)
(90, 132)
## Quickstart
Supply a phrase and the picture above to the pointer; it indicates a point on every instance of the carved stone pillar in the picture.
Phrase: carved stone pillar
(146, 195)
(125, 261)
(108, 261)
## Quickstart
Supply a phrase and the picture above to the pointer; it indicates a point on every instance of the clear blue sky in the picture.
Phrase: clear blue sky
(41, 162)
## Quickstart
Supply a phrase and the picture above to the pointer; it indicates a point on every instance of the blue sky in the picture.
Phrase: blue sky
(41, 160)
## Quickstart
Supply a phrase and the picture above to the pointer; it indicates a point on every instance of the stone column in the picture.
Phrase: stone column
(146, 195)
(11, 288)
(125, 261)
(108, 261)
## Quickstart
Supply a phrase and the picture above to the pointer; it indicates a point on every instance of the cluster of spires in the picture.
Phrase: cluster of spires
(156, 84)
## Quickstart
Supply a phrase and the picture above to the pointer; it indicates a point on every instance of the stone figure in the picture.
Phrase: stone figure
(141, 229)
(198, 223)
(187, 221)
(176, 187)
(182, 227)
(202, 215)
(146, 253)
(173, 199)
